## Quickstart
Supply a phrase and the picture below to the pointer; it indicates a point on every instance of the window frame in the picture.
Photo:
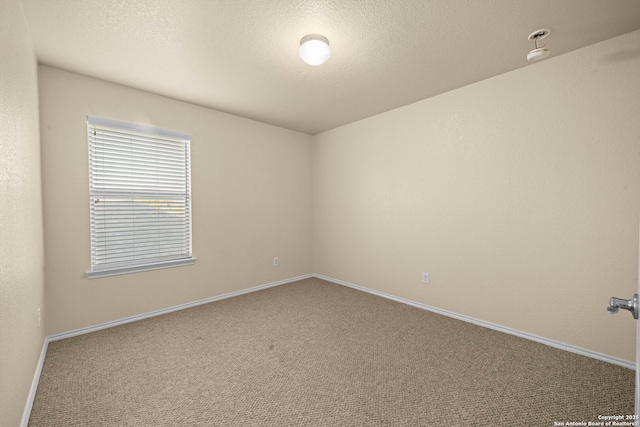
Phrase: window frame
(96, 191)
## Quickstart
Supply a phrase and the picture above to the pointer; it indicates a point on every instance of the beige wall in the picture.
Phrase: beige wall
(251, 186)
(519, 194)
(21, 246)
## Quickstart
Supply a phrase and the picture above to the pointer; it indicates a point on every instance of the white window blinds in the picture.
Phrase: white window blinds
(139, 197)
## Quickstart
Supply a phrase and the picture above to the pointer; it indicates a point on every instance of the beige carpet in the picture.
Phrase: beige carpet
(314, 353)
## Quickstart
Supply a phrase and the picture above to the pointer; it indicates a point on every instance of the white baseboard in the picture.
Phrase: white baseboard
(542, 340)
(137, 317)
(34, 385)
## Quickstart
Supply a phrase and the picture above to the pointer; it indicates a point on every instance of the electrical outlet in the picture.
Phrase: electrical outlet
(276, 261)
(425, 277)
(39, 318)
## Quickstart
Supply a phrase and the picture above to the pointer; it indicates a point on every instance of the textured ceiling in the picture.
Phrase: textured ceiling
(241, 56)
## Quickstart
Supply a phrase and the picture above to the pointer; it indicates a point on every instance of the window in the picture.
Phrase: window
(139, 197)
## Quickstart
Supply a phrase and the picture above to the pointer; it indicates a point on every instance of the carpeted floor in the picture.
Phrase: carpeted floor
(314, 353)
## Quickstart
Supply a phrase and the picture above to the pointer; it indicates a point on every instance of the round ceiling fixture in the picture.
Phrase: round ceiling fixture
(314, 49)
(538, 52)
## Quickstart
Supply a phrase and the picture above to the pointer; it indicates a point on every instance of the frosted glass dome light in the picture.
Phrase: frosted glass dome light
(314, 49)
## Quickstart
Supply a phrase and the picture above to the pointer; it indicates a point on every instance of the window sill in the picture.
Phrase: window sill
(135, 269)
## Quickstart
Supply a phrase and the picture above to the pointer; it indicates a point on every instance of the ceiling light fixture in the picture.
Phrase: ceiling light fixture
(314, 49)
(538, 52)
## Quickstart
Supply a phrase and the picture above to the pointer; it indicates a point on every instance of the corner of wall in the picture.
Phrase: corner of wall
(21, 238)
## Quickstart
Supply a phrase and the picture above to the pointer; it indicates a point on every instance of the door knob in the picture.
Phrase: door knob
(633, 305)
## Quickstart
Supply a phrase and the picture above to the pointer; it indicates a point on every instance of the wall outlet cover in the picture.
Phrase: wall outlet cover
(425, 277)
